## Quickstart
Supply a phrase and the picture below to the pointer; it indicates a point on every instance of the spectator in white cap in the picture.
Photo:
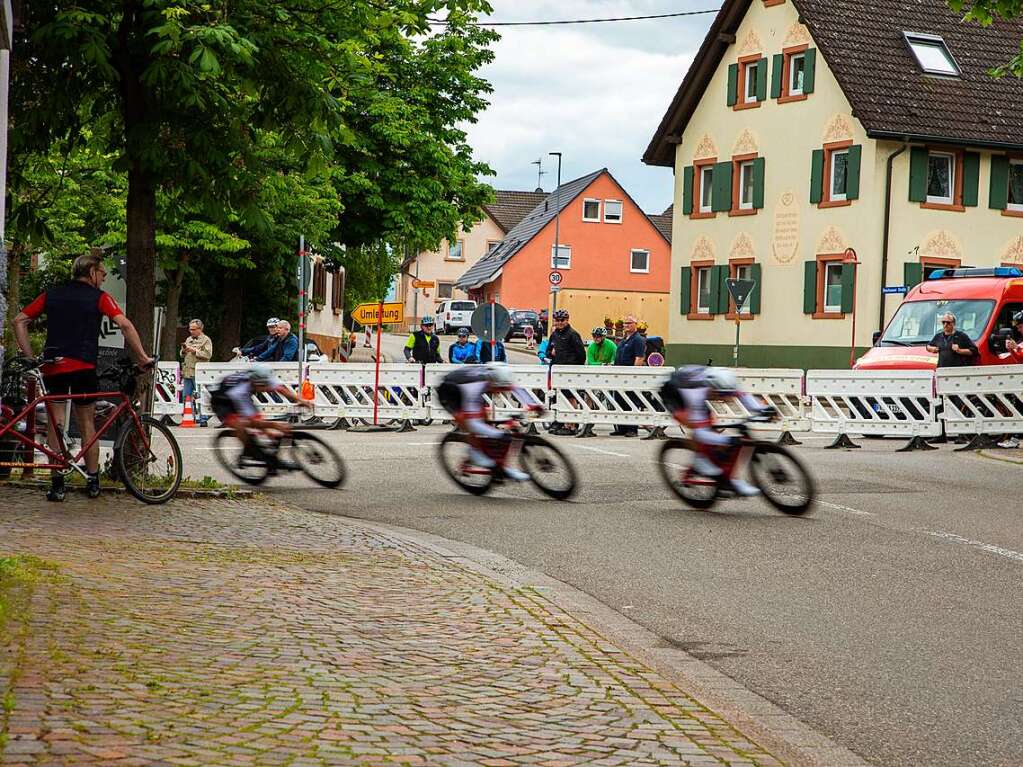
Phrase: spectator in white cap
(258, 348)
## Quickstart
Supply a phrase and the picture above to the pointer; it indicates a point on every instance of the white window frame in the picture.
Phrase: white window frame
(832, 308)
(707, 189)
(461, 251)
(793, 90)
(740, 269)
(917, 40)
(832, 195)
(950, 200)
(621, 211)
(632, 254)
(750, 71)
(599, 208)
(562, 251)
(746, 167)
(1017, 206)
(702, 273)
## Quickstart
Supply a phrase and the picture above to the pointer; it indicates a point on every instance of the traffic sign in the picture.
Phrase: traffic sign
(490, 325)
(890, 290)
(555, 278)
(369, 314)
(740, 290)
(423, 284)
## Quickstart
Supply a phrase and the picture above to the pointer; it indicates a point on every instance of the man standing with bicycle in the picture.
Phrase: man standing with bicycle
(74, 313)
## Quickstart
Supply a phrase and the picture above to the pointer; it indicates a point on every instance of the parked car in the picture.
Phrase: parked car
(544, 324)
(454, 314)
(522, 319)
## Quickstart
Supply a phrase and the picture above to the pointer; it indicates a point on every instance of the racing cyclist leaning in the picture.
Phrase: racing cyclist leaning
(461, 394)
(686, 395)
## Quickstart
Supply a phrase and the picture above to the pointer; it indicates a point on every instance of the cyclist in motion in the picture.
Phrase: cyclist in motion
(686, 395)
(461, 394)
(74, 314)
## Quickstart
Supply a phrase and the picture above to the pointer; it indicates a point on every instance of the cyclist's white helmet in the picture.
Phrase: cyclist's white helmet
(722, 380)
(499, 374)
(260, 375)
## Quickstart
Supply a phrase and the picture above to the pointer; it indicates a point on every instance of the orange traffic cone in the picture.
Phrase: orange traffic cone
(307, 390)
(187, 419)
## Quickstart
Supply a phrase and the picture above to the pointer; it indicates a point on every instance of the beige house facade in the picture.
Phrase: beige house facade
(807, 134)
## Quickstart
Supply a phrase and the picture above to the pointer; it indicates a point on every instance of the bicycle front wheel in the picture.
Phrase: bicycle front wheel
(693, 489)
(148, 460)
(782, 478)
(453, 452)
(230, 453)
(318, 460)
(548, 468)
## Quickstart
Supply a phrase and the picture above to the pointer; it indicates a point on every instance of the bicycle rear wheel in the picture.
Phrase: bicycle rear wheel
(676, 460)
(318, 460)
(148, 460)
(453, 453)
(782, 478)
(230, 452)
(548, 468)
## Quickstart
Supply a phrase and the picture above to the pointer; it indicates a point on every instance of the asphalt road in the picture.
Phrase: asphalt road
(890, 619)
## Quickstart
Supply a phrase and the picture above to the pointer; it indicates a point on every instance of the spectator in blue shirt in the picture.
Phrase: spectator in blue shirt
(631, 353)
(462, 352)
(483, 351)
(285, 349)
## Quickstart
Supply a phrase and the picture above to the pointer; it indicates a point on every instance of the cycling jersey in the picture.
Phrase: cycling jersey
(686, 394)
(74, 313)
(233, 396)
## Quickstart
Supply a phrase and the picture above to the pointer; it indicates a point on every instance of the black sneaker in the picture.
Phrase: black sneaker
(92, 485)
(57, 491)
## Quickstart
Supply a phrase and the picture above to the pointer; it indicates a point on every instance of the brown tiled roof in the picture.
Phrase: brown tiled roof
(662, 221)
(510, 207)
(863, 44)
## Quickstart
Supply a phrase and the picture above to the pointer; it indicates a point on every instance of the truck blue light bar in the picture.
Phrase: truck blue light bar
(997, 271)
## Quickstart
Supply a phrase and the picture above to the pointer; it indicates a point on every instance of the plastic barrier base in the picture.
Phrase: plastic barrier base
(842, 441)
(787, 439)
(917, 443)
(980, 442)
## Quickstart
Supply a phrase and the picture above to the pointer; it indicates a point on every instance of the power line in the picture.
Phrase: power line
(577, 21)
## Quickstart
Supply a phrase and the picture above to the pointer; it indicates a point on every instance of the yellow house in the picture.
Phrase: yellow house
(811, 133)
(445, 265)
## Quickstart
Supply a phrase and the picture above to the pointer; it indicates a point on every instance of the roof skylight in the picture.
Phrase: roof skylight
(932, 54)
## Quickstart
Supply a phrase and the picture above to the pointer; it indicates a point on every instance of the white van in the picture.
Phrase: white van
(454, 314)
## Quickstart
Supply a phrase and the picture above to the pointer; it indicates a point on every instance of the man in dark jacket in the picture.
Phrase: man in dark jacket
(631, 353)
(565, 348)
(953, 347)
(423, 345)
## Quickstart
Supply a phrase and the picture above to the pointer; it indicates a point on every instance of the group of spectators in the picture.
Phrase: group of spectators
(280, 344)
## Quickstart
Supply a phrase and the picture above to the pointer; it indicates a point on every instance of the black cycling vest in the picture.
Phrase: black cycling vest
(426, 351)
(73, 321)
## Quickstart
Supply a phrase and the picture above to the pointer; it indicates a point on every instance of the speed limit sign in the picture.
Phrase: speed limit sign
(555, 278)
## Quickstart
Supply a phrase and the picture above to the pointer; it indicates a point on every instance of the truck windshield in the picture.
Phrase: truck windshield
(916, 322)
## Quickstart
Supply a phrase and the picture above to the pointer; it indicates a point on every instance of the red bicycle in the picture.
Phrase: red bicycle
(146, 457)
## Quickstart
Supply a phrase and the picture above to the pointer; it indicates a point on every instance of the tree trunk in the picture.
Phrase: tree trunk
(172, 314)
(231, 320)
(140, 277)
(13, 293)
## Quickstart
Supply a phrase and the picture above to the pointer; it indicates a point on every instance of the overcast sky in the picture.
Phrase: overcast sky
(595, 92)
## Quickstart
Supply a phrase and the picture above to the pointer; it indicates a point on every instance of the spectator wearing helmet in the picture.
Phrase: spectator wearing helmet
(462, 351)
(423, 345)
(233, 403)
(284, 349)
(602, 350)
(686, 395)
(565, 347)
(254, 350)
(631, 353)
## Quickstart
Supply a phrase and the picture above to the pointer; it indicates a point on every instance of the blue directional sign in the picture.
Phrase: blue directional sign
(895, 290)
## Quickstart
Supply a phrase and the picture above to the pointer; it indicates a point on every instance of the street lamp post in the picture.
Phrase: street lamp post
(849, 259)
(557, 232)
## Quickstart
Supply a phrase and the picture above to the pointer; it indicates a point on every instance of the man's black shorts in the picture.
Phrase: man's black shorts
(78, 382)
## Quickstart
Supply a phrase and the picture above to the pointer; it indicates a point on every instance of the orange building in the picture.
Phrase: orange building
(612, 258)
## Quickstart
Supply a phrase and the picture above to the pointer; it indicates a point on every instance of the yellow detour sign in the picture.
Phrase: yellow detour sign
(423, 283)
(369, 314)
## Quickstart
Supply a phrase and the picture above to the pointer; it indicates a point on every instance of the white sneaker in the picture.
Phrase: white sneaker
(480, 459)
(744, 488)
(1009, 444)
(706, 467)
(515, 474)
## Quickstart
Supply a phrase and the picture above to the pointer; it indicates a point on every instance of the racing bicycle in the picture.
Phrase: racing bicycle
(782, 478)
(548, 468)
(269, 456)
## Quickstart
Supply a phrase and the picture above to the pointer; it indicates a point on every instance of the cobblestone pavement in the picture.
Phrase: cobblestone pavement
(249, 633)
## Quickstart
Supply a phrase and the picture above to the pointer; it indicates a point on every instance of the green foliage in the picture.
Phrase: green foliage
(986, 12)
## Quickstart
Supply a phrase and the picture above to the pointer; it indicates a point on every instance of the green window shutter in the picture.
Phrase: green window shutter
(848, 276)
(762, 80)
(998, 196)
(810, 70)
(759, 170)
(721, 199)
(852, 173)
(777, 74)
(687, 287)
(912, 274)
(918, 174)
(809, 287)
(753, 302)
(687, 190)
(817, 176)
(971, 179)
(718, 290)
(733, 84)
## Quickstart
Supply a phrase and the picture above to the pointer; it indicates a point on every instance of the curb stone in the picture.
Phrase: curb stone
(36, 484)
(787, 737)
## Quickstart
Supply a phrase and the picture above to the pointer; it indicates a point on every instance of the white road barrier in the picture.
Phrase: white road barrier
(346, 390)
(982, 400)
(167, 390)
(209, 373)
(780, 388)
(889, 402)
(609, 395)
(533, 378)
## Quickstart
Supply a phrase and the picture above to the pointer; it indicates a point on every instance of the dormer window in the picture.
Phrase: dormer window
(932, 54)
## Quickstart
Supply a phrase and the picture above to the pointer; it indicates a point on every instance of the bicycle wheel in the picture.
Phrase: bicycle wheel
(675, 461)
(453, 452)
(148, 461)
(782, 478)
(318, 460)
(229, 451)
(548, 468)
